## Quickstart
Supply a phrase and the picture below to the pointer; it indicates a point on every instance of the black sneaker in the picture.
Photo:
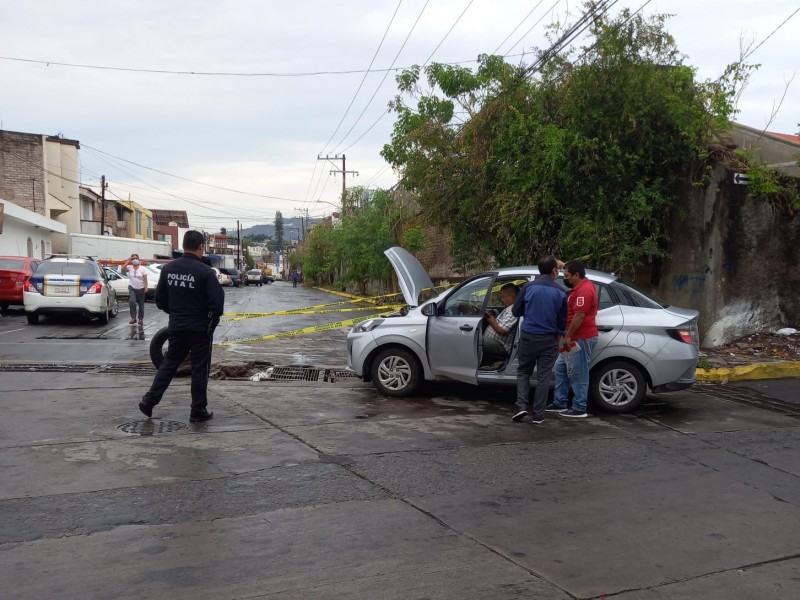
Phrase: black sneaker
(554, 408)
(537, 421)
(201, 417)
(146, 409)
(519, 416)
(572, 413)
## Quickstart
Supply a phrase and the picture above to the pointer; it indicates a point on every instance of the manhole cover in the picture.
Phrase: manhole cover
(334, 375)
(151, 427)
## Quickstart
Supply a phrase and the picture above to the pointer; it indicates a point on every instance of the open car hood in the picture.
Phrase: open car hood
(411, 276)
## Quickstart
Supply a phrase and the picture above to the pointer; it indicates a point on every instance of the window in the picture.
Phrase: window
(41, 248)
(605, 299)
(120, 214)
(87, 209)
(469, 299)
(149, 228)
(138, 218)
(30, 247)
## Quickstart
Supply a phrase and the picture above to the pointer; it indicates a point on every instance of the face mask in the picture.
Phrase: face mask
(135, 262)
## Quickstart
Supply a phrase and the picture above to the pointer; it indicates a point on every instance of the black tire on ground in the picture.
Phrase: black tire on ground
(396, 372)
(33, 319)
(157, 344)
(103, 318)
(4, 305)
(617, 386)
(115, 308)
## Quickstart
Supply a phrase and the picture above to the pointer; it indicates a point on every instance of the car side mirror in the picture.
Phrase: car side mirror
(429, 310)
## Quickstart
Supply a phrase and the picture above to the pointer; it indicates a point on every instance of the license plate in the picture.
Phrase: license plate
(61, 290)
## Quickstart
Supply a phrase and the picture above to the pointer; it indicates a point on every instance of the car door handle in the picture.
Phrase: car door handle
(466, 328)
(604, 328)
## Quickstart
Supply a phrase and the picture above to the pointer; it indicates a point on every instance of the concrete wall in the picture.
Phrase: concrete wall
(733, 259)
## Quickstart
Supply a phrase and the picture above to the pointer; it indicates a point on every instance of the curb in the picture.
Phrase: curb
(772, 370)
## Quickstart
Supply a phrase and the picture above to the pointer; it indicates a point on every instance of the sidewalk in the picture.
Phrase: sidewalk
(763, 355)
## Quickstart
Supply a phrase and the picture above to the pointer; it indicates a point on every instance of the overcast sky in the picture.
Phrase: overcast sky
(262, 134)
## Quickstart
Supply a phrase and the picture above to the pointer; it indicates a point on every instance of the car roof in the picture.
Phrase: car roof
(600, 276)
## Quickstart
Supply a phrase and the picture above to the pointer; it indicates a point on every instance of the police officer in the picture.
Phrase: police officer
(188, 290)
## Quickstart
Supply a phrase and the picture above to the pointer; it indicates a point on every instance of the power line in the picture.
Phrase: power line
(226, 189)
(363, 79)
(439, 45)
(386, 74)
(513, 31)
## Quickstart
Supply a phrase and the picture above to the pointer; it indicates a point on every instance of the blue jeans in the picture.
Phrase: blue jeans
(573, 369)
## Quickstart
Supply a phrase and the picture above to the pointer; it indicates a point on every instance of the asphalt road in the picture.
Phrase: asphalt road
(328, 490)
(74, 339)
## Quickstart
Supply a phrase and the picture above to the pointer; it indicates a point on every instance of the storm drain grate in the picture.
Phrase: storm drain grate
(113, 369)
(296, 374)
(152, 427)
(334, 375)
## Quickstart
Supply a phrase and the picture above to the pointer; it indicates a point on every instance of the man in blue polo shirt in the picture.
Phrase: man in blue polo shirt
(543, 304)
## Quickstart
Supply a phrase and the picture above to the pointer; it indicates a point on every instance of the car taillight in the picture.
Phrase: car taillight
(21, 280)
(687, 335)
(96, 288)
(29, 287)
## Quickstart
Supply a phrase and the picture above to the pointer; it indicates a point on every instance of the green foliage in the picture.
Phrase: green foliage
(276, 243)
(249, 262)
(580, 161)
(352, 251)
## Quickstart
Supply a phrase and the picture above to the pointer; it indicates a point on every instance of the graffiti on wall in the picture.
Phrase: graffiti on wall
(691, 283)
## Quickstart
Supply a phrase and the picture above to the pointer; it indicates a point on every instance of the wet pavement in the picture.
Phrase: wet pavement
(301, 489)
(327, 490)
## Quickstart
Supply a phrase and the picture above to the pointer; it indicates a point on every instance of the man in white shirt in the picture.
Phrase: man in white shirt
(137, 287)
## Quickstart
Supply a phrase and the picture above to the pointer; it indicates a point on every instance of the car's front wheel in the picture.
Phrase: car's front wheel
(617, 386)
(396, 372)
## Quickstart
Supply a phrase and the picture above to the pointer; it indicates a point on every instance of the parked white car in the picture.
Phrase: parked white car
(118, 281)
(223, 278)
(66, 284)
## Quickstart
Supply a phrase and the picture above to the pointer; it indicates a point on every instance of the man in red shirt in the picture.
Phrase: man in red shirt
(572, 366)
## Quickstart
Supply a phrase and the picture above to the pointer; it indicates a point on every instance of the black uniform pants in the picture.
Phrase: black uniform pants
(181, 344)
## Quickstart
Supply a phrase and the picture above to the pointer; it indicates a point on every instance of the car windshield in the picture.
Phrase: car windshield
(633, 296)
(254, 272)
(12, 264)
(49, 267)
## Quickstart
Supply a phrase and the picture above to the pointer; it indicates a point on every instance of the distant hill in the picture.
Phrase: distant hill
(291, 226)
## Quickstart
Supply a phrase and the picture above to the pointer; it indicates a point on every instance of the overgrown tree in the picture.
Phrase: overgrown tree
(578, 159)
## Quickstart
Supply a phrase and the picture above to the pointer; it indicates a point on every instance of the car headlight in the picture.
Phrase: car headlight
(367, 325)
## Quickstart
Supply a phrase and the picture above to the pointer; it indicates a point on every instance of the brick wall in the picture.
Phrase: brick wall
(22, 170)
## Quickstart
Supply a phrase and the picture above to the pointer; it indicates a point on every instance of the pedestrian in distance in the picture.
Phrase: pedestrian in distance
(187, 290)
(137, 288)
(295, 277)
(572, 365)
(543, 305)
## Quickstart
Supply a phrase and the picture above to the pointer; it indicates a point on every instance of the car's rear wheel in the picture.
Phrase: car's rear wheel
(396, 372)
(617, 386)
(115, 308)
(33, 318)
(4, 305)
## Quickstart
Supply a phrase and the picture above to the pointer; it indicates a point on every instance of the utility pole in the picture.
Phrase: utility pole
(346, 209)
(238, 246)
(103, 205)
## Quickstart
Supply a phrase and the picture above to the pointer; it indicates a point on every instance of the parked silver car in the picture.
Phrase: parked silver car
(642, 343)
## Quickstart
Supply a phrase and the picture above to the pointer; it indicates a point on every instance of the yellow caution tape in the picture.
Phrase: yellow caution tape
(304, 330)
(307, 311)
